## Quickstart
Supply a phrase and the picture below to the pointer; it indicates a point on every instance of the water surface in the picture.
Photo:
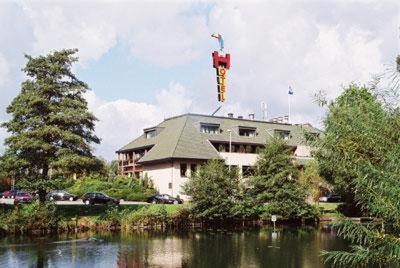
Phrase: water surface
(256, 247)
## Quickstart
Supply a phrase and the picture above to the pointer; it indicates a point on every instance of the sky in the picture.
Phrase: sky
(148, 60)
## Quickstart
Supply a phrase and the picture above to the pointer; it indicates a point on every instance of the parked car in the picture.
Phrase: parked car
(22, 197)
(164, 199)
(98, 198)
(331, 198)
(61, 196)
(9, 194)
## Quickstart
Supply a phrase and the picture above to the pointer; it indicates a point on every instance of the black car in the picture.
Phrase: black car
(61, 196)
(164, 199)
(98, 198)
(331, 198)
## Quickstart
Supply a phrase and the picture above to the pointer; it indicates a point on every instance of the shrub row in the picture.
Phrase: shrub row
(121, 188)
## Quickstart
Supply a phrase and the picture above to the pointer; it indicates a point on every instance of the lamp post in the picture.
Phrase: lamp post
(230, 144)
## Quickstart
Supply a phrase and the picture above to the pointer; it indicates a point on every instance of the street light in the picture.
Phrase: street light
(230, 144)
(230, 140)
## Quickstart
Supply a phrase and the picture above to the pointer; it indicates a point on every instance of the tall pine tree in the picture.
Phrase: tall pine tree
(276, 183)
(51, 128)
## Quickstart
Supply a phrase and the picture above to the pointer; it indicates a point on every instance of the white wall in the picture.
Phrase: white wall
(169, 172)
(239, 159)
(303, 151)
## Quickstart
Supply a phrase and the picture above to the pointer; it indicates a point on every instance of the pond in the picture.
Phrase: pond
(253, 247)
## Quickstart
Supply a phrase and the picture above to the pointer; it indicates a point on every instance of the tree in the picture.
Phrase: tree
(375, 178)
(51, 127)
(312, 181)
(276, 183)
(355, 122)
(213, 189)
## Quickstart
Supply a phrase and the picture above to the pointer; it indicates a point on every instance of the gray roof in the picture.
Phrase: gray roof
(180, 136)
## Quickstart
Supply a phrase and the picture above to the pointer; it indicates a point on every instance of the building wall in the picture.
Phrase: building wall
(168, 174)
(160, 174)
(239, 159)
(303, 151)
(167, 177)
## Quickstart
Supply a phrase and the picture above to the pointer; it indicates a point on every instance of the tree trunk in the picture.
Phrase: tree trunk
(42, 195)
(42, 192)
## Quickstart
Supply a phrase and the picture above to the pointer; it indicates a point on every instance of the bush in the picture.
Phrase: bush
(32, 217)
(121, 188)
(214, 189)
(157, 215)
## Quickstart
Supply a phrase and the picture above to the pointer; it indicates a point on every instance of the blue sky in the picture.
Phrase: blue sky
(148, 60)
(118, 74)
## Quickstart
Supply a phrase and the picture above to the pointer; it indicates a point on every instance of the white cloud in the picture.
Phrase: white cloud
(310, 46)
(274, 45)
(62, 25)
(158, 33)
(121, 121)
(4, 69)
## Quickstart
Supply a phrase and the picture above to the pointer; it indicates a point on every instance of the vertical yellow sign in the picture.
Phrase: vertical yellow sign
(221, 80)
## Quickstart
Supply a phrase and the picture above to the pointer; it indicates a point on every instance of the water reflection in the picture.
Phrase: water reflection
(261, 247)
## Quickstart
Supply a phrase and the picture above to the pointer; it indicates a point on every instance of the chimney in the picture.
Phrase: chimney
(251, 116)
(240, 116)
(230, 115)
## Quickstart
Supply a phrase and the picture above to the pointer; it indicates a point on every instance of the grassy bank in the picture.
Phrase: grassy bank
(35, 218)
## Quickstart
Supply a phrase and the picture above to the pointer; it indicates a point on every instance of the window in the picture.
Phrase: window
(170, 185)
(209, 128)
(311, 136)
(193, 168)
(150, 134)
(248, 132)
(247, 171)
(183, 170)
(283, 134)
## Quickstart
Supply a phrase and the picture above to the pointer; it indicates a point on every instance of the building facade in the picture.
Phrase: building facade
(171, 151)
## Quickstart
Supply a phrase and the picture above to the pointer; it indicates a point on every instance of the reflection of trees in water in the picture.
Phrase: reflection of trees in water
(213, 249)
(291, 247)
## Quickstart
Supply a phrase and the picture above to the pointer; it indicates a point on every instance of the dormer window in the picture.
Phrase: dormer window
(283, 134)
(150, 133)
(247, 131)
(209, 128)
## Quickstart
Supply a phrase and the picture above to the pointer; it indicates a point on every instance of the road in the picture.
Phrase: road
(77, 202)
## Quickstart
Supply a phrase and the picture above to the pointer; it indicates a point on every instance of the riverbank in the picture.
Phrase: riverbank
(51, 218)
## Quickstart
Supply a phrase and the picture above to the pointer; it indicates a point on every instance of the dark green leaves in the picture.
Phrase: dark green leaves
(51, 128)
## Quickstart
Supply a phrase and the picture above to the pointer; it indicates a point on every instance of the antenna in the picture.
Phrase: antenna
(264, 111)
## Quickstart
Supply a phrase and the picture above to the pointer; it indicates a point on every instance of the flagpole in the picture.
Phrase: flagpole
(289, 108)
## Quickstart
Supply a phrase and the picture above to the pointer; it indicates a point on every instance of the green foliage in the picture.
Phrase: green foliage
(368, 142)
(51, 128)
(370, 247)
(354, 124)
(156, 215)
(214, 189)
(276, 184)
(312, 181)
(121, 187)
(32, 217)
